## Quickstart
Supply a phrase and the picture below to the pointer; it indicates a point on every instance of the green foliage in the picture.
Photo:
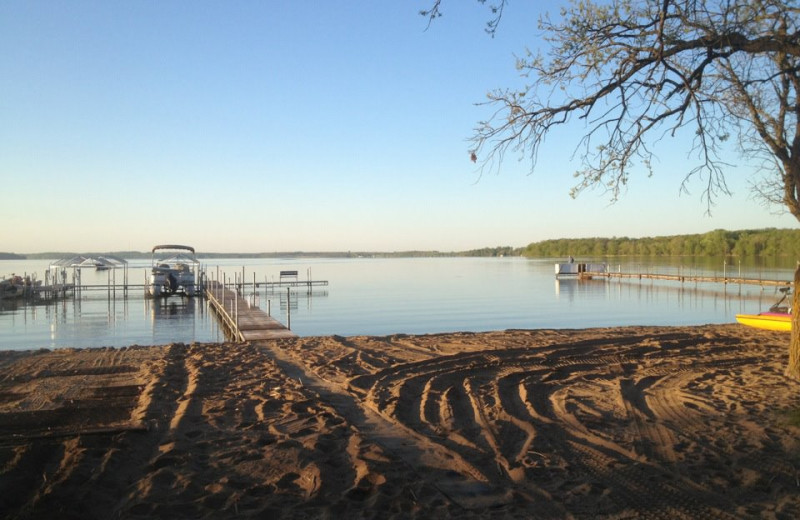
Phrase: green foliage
(747, 243)
(493, 251)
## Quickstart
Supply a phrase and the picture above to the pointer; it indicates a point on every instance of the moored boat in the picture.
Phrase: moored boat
(175, 274)
(572, 268)
(16, 286)
(11, 288)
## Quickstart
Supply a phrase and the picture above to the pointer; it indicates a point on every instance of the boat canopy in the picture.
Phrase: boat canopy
(106, 261)
(180, 258)
(173, 246)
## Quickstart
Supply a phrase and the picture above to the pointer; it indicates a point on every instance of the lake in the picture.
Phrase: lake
(381, 296)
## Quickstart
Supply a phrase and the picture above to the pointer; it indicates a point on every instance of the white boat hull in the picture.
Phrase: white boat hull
(174, 275)
(169, 282)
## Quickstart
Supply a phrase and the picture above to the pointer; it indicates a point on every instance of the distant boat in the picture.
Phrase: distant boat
(572, 268)
(175, 274)
(101, 264)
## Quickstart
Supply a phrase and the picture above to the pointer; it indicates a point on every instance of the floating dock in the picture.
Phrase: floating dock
(242, 321)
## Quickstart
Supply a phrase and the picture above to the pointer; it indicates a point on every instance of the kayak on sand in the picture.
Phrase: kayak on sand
(767, 320)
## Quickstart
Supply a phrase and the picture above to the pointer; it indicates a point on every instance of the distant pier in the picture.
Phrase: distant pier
(685, 278)
(241, 320)
(590, 271)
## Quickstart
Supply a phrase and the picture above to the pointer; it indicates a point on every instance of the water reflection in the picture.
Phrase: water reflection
(96, 321)
(571, 288)
(169, 308)
(386, 296)
(179, 318)
(653, 294)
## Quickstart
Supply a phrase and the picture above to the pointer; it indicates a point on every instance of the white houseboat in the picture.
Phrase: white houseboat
(572, 268)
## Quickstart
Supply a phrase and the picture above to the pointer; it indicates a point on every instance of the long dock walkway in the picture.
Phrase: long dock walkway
(687, 278)
(242, 321)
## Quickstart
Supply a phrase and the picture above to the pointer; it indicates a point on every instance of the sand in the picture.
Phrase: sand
(633, 422)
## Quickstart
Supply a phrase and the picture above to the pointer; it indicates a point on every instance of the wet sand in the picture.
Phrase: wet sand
(631, 422)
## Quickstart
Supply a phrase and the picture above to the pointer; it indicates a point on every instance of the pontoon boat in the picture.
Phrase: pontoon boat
(174, 273)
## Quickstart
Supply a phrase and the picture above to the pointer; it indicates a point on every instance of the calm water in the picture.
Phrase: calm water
(386, 296)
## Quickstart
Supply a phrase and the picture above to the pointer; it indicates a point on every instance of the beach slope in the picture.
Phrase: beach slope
(630, 422)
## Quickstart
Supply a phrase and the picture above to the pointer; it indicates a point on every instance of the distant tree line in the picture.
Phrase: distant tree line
(134, 255)
(746, 243)
(493, 251)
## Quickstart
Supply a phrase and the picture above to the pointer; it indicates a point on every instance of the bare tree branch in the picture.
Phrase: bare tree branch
(636, 71)
(650, 69)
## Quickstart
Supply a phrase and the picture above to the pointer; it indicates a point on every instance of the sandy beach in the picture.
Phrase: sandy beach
(633, 422)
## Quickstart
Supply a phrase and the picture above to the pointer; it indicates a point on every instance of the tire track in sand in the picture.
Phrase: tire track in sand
(574, 425)
(440, 467)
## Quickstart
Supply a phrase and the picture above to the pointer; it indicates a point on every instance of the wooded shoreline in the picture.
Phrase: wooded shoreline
(758, 243)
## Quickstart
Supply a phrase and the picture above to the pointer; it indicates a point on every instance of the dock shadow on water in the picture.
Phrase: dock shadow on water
(634, 422)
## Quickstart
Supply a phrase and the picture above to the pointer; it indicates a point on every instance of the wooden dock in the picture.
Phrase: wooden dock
(53, 292)
(687, 278)
(242, 321)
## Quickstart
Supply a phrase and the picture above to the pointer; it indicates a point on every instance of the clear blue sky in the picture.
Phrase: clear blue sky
(282, 126)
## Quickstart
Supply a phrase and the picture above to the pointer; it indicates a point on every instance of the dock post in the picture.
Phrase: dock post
(288, 308)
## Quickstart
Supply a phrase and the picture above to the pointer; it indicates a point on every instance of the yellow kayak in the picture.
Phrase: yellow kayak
(767, 320)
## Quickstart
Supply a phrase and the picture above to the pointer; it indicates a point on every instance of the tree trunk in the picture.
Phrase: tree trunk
(793, 369)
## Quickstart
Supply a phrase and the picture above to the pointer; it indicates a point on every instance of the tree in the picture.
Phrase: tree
(637, 71)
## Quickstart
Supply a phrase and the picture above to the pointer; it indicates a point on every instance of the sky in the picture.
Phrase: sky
(266, 126)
